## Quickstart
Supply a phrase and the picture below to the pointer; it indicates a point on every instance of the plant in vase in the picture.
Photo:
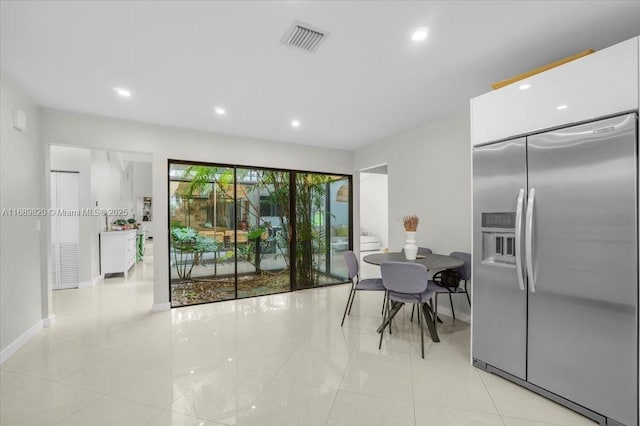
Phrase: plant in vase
(119, 224)
(410, 223)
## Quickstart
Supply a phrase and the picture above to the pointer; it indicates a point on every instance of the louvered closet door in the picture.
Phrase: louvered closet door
(65, 230)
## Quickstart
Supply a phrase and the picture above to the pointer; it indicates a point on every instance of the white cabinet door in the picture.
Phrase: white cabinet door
(117, 252)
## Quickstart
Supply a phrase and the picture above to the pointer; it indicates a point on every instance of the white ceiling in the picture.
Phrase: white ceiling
(368, 80)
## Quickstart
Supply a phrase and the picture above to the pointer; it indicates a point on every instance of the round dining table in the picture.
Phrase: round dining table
(433, 262)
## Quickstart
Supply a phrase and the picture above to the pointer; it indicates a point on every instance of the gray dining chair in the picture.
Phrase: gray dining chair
(357, 284)
(464, 274)
(406, 283)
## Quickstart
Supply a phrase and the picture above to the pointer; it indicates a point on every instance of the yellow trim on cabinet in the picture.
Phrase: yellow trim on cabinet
(508, 81)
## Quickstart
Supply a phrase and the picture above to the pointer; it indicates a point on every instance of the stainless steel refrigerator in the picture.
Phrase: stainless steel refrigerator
(555, 265)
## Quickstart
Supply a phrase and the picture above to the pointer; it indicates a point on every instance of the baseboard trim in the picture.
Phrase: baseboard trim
(88, 284)
(15, 346)
(49, 321)
(460, 316)
(159, 307)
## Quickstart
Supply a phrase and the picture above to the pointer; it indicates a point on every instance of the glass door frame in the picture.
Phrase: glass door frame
(293, 284)
(296, 285)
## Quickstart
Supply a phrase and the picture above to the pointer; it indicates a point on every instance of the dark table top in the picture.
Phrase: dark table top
(431, 261)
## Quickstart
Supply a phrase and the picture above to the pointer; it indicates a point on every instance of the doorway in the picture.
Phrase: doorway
(374, 215)
(374, 209)
(108, 183)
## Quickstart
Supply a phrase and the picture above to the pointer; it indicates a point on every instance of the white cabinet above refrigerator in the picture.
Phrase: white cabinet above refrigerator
(594, 86)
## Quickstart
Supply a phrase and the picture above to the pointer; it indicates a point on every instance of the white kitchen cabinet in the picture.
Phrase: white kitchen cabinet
(117, 251)
(603, 83)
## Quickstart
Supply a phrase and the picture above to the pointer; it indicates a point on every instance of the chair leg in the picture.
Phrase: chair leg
(466, 291)
(347, 308)
(421, 332)
(386, 313)
(451, 302)
(435, 311)
(429, 318)
(389, 314)
(384, 301)
(352, 299)
(382, 332)
(412, 311)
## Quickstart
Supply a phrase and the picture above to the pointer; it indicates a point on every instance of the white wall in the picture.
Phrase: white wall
(126, 190)
(111, 189)
(374, 205)
(142, 179)
(142, 187)
(23, 271)
(65, 128)
(107, 182)
(429, 174)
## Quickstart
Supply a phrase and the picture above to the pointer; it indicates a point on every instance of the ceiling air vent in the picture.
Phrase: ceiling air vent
(303, 36)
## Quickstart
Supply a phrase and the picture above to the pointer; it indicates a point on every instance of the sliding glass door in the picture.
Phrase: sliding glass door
(322, 228)
(239, 232)
(262, 224)
(201, 231)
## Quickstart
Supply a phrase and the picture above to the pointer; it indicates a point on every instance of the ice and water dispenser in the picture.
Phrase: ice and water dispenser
(499, 237)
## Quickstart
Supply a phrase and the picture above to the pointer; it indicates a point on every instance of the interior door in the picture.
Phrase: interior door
(583, 302)
(65, 230)
(499, 299)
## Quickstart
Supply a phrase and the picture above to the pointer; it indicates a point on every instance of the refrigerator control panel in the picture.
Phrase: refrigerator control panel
(499, 220)
(499, 238)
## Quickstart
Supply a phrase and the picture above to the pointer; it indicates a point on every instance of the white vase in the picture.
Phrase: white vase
(410, 247)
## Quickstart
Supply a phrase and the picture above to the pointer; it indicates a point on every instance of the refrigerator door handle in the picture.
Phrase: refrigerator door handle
(529, 239)
(519, 208)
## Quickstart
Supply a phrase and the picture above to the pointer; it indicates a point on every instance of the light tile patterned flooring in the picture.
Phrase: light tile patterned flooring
(272, 360)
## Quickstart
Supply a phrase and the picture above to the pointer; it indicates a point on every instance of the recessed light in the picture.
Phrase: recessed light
(295, 123)
(524, 86)
(220, 110)
(420, 34)
(561, 107)
(125, 93)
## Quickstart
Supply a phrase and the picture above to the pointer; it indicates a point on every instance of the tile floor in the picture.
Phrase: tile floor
(272, 360)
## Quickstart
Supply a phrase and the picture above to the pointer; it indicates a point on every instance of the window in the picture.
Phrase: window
(236, 232)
